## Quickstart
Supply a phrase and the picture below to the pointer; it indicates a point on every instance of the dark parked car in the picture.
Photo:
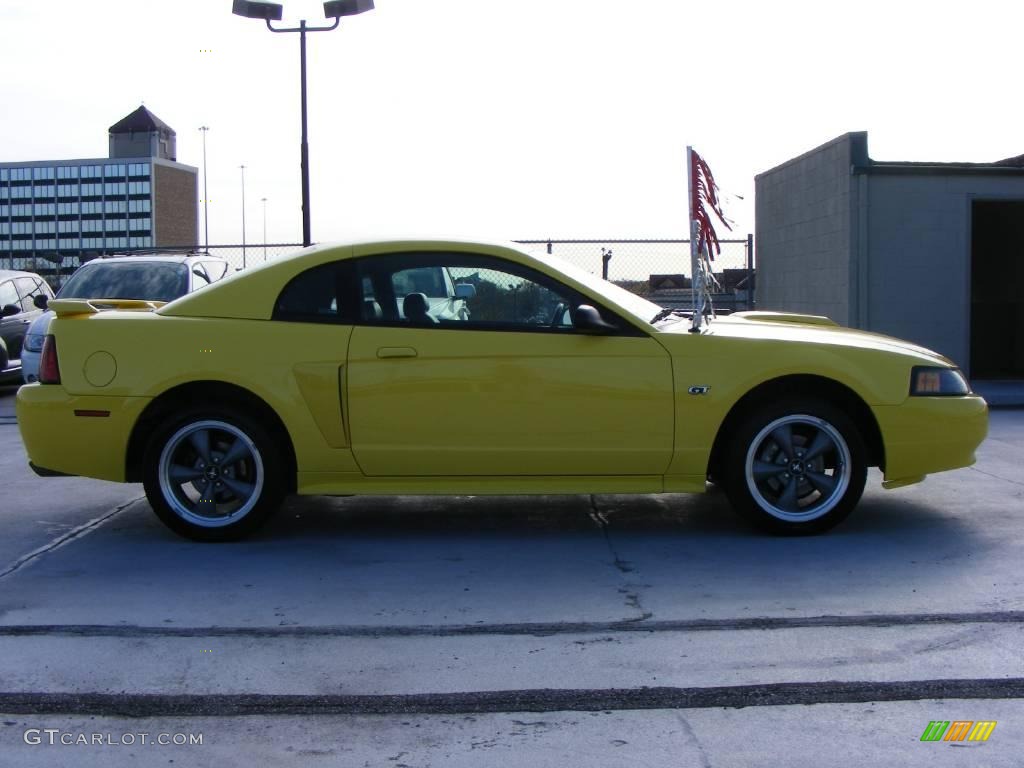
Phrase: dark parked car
(17, 310)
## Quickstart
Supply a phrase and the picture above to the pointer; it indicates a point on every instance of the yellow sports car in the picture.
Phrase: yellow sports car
(428, 367)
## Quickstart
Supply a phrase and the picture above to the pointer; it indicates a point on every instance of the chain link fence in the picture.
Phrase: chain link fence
(55, 269)
(659, 270)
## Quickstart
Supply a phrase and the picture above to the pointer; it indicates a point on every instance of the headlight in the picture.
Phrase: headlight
(929, 382)
(34, 342)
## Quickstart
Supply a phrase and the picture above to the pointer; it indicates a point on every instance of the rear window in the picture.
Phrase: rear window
(147, 281)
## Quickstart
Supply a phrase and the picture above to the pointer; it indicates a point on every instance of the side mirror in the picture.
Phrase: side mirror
(10, 309)
(465, 291)
(588, 319)
(41, 300)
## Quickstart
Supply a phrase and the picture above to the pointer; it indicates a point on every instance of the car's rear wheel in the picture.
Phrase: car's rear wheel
(796, 467)
(213, 474)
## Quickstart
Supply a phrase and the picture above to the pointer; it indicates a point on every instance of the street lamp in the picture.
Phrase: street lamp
(242, 167)
(206, 196)
(272, 12)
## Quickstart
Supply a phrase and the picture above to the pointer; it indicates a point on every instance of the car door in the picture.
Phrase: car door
(13, 327)
(507, 385)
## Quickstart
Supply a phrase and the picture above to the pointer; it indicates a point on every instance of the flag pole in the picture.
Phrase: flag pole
(696, 283)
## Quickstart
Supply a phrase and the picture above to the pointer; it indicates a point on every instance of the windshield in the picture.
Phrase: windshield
(638, 306)
(148, 281)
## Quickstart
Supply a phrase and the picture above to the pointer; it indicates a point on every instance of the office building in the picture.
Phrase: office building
(139, 197)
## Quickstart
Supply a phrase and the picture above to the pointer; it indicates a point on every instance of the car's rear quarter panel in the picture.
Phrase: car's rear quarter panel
(293, 367)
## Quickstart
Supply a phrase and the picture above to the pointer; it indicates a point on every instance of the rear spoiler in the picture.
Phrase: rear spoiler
(70, 307)
(786, 317)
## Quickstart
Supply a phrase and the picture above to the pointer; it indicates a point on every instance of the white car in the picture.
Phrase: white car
(149, 278)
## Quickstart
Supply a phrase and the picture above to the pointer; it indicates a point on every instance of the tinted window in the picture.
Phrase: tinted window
(149, 281)
(313, 296)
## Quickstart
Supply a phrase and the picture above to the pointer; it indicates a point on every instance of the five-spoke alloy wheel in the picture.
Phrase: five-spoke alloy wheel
(796, 468)
(213, 474)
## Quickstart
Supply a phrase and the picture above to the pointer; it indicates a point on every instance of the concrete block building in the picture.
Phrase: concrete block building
(930, 252)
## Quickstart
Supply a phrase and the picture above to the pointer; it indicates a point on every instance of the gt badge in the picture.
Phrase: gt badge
(702, 390)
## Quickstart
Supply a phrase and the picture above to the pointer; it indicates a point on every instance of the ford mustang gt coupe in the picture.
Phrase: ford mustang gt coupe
(445, 367)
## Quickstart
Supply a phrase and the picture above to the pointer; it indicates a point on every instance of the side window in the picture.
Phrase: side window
(28, 287)
(318, 295)
(426, 280)
(463, 290)
(215, 269)
(505, 298)
(8, 294)
(199, 278)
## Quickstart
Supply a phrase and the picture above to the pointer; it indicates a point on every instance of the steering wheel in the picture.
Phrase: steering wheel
(556, 316)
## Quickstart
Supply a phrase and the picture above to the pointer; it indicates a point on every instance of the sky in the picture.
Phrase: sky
(510, 120)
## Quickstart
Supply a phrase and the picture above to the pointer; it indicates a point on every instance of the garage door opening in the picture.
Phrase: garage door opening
(997, 289)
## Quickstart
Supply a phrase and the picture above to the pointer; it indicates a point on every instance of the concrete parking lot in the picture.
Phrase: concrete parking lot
(540, 631)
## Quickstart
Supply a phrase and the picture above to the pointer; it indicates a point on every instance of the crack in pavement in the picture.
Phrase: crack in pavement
(691, 738)
(628, 590)
(66, 538)
(997, 477)
(535, 700)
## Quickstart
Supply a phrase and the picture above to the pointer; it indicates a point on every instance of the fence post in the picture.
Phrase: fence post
(606, 256)
(750, 271)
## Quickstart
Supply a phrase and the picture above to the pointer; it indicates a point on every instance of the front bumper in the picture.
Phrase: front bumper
(88, 445)
(924, 435)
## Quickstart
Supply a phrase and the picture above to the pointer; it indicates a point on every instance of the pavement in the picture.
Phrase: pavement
(1004, 393)
(450, 631)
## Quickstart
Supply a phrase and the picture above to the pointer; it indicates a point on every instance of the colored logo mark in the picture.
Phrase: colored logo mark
(958, 730)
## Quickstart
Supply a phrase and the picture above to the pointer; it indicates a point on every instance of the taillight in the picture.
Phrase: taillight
(49, 370)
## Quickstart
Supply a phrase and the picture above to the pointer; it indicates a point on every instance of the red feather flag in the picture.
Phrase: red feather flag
(703, 189)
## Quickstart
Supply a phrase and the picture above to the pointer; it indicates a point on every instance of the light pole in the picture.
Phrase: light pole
(264, 201)
(243, 215)
(335, 9)
(206, 195)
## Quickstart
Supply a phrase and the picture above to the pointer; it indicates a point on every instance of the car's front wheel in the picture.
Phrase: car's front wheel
(796, 467)
(213, 474)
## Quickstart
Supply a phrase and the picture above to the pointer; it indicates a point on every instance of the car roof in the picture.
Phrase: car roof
(6, 273)
(167, 258)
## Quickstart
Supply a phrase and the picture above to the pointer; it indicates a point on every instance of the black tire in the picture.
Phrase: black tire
(795, 467)
(241, 477)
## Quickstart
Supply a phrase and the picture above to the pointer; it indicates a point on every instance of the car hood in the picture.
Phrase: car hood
(808, 329)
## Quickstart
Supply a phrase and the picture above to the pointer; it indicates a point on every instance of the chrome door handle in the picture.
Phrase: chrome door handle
(384, 352)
